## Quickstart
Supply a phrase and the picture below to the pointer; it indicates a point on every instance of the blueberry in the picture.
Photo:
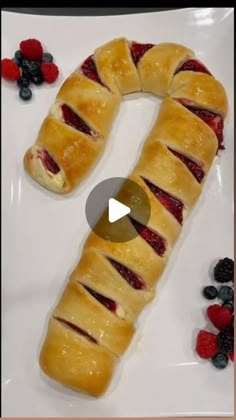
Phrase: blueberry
(37, 79)
(25, 93)
(210, 292)
(226, 293)
(18, 57)
(33, 67)
(229, 305)
(47, 58)
(220, 360)
(25, 63)
(23, 82)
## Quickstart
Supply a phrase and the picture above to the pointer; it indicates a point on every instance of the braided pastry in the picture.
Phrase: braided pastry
(93, 322)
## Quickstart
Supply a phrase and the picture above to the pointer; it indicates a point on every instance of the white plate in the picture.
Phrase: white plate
(43, 235)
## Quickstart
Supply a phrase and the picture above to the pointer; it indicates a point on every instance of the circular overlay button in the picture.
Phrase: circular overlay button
(115, 207)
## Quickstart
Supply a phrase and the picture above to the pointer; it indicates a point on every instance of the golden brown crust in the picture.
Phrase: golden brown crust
(79, 307)
(91, 101)
(203, 90)
(67, 355)
(116, 68)
(71, 149)
(156, 68)
(97, 273)
(184, 132)
(76, 362)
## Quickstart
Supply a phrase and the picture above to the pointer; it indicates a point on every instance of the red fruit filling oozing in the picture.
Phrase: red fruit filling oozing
(193, 65)
(138, 50)
(214, 121)
(89, 69)
(133, 279)
(192, 166)
(75, 328)
(48, 162)
(152, 238)
(107, 302)
(72, 119)
(172, 204)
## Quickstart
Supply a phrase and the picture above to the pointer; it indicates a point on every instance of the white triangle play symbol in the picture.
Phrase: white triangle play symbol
(116, 210)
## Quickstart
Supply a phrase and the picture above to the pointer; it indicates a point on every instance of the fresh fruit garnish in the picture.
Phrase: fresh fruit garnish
(210, 292)
(10, 70)
(226, 294)
(220, 360)
(31, 49)
(25, 93)
(50, 72)
(221, 317)
(225, 340)
(206, 346)
(224, 270)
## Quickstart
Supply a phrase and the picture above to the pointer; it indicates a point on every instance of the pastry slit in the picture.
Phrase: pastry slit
(137, 51)
(76, 329)
(172, 204)
(157, 242)
(110, 304)
(212, 119)
(192, 65)
(72, 119)
(195, 168)
(133, 279)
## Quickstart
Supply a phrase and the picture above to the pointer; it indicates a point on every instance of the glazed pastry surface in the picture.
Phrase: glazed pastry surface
(93, 322)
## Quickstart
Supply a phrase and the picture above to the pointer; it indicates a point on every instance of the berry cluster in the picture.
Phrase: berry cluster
(29, 65)
(219, 347)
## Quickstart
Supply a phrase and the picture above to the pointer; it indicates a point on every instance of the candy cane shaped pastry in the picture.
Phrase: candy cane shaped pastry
(93, 323)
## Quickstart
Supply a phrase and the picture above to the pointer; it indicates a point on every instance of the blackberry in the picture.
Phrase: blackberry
(226, 294)
(229, 305)
(25, 93)
(225, 340)
(220, 360)
(24, 63)
(47, 58)
(210, 292)
(224, 270)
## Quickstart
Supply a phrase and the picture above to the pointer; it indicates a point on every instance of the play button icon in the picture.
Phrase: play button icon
(116, 210)
(115, 206)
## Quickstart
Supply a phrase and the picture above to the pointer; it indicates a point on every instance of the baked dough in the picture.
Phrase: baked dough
(93, 322)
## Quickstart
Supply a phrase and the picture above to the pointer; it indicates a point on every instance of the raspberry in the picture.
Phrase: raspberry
(10, 70)
(31, 49)
(206, 346)
(231, 356)
(220, 316)
(50, 72)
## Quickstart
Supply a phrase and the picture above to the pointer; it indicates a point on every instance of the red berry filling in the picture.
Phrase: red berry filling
(77, 329)
(89, 69)
(193, 65)
(214, 121)
(72, 119)
(152, 238)
(133, 279)
(138, 50)
(48, 162)
(107, 302)
(172, 204)
(192, 166)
